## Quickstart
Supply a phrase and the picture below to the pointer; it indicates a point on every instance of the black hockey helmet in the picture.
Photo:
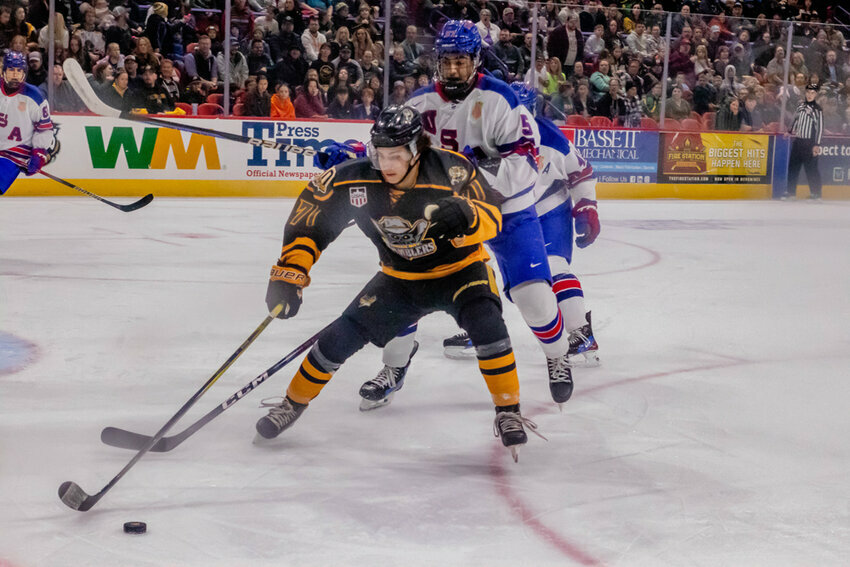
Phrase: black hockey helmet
(397, 125)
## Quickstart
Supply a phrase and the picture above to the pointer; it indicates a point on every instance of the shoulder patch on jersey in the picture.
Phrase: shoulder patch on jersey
(488, 83)
(321, 183)
(32, 92)
(458, 175)
(357, 196)
(551, 136)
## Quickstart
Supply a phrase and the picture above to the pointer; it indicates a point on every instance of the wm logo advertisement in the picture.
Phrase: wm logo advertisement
(153, 150)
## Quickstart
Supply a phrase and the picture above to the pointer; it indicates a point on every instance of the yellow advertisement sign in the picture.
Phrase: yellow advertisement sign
(692, 157)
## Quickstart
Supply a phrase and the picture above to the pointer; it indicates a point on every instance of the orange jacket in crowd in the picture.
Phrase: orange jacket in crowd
(282, 108)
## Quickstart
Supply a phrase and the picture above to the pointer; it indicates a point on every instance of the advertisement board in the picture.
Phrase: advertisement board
(694, 157)
(834, 162)
(618, 156)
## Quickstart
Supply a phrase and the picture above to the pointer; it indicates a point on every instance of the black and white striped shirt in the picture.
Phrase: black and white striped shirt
(808, 122)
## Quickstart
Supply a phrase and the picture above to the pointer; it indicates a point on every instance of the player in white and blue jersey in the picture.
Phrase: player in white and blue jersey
(26, 130)
(565, 193)
(467, 111)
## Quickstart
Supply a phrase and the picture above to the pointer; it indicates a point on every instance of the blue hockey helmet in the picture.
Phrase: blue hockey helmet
(457, 38)
(14, 60)
(527, 96)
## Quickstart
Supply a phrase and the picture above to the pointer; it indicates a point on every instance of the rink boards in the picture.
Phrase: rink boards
(114, 157)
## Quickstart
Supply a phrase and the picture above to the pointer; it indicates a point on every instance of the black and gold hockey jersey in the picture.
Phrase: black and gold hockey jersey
(393, 219)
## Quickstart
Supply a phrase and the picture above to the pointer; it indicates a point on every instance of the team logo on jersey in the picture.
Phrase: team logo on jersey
(405, 238)
(321, 182)
(357, 196)
(476, 110)
(367, 300)
(457, 174)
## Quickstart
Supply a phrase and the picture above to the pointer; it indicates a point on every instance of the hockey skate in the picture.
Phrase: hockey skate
(560, 379)
(508, 426)
(583, 346)
(281, 416)
(380, 390)
(459, 347)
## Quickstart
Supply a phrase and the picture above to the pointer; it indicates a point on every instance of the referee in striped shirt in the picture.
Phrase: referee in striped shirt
(807, 130)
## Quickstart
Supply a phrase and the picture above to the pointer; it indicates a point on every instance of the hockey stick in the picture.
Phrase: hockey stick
(77, 78)
(76, 498)
(126, 208)
(129, 440)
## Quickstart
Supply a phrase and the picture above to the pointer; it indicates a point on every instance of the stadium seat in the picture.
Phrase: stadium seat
(691, 125)
(670, 124)
(191, 47)
(708, 120)
(184, 106)
(210, 109)
(577, 120)
(647, 123)
(696, 116)
(216, 98)
(600, 122)
(239, 109)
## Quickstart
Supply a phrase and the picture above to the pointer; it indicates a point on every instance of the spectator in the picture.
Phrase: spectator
(62, 37)
(341, 107)
(583, 102)
(631, 109)
(399, 93)
(729, 117)
(377, 87)
(832, 119)
(7, 27)
(635, 17)
(798, 64)
(705, 95)
(362, 43)
(566, 43)
(89, 33)
(751, 116)
(36, 74)
(281, 105)
(487, 29)
(525, 50)
(680, 62)
(324, 68)
(412, 50)
(39, 12)
(258, 61)
(740, 60)
(168, 80)
(600, 80)
(591, 16)
(280, 43)
(831, 71)
(701, 61)
(118, 95)
(423, 80)
(113, 57)
(640, 43)
(677, 107)
(202, 63)
(154, 98)
(120, 32)
(365, 19)
(561, 105)
(216, 46)
(730, 86)
(595, 44)
(241, 20)
(258, 101)
(344, 61)
(367, 109)
(611, 35)
(312, 40)
(291, 10)
(238, 66)
(342, 39)
(75, 51)
(310, 101)
(267, 23)
(461, 10)
(370, 66)
(651, 103)
(541, 74)
(145, 55)
(156, 30)
(510, 56)
(610, 105)
(292, 69)
(556, 77)
(776, 67)
(715, 40)
(399, 66)
(65, 98)
(134, 81)
(341, 18)
(341, 79)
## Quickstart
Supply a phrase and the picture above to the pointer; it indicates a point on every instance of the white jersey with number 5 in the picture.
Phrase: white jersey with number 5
(491, 120)
(24, 124)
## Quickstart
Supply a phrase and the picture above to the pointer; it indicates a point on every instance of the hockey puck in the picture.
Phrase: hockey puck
(135, 527)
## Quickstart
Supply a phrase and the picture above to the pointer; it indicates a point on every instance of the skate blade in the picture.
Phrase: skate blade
(514, 449)
(369, 405)
(459, 353)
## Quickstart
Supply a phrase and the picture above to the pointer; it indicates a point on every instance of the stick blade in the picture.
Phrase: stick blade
(75, 497)
(138, 204)
(77, 77)
(123, 439)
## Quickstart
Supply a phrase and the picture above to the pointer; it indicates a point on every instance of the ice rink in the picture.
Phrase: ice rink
(714, 433)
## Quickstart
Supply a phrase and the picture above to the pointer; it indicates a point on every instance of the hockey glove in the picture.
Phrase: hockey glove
(450, 217)
(285, 288)
(587, 222)
(337, 153)
(38, 159)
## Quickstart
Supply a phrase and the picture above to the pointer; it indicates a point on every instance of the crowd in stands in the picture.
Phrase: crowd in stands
(288, 58)
(594, 63)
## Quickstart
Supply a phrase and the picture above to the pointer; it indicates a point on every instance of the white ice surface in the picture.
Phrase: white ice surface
(715, 433)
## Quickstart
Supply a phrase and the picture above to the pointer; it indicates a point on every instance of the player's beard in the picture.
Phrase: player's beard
(12, 85)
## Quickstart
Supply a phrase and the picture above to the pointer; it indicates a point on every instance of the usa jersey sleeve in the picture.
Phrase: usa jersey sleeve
(580, 178)
(42, 124)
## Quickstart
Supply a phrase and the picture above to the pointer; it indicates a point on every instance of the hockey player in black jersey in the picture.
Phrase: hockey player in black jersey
(428, 213)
